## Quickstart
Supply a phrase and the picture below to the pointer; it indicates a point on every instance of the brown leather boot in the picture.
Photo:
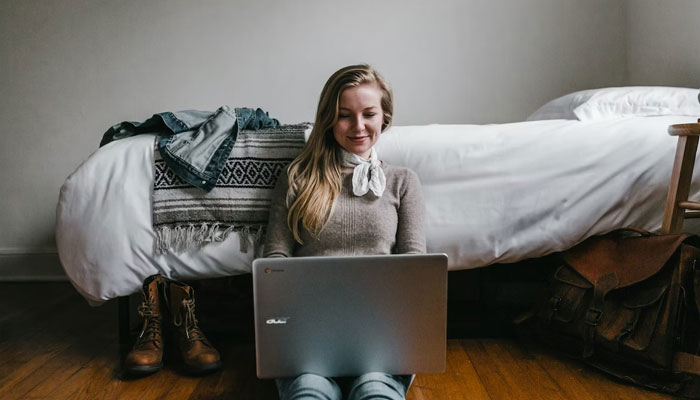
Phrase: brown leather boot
(146, 357)
(198, 355)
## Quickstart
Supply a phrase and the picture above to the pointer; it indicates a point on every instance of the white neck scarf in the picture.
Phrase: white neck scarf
(367, 174)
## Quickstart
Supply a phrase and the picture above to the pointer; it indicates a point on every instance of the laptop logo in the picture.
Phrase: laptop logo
(269, 270)
(277, 321)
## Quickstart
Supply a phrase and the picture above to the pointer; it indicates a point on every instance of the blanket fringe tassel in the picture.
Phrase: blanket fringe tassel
(183, 238)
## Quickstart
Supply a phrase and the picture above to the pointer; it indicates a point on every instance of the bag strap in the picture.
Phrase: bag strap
(601, 287)
(686, 362)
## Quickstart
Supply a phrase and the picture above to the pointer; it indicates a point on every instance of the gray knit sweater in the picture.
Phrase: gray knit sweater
(366, 225)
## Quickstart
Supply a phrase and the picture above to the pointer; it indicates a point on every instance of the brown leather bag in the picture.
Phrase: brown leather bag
(629, 306)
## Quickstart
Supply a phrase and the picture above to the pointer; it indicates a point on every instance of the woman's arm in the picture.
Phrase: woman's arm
(279, 241)
(410, 233)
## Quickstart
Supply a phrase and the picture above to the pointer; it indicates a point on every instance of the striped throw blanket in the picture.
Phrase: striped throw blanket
(186, 218)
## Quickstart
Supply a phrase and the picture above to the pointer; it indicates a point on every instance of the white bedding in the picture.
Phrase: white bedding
(493, 194)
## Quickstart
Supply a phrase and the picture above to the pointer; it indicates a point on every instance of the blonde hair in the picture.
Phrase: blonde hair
(315, 175)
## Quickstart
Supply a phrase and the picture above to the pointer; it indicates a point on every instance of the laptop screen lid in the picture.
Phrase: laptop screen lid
(348, 315)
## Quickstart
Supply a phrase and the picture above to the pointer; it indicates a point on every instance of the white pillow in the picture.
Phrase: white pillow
(615, 102)
(562, 107)
(639, 101)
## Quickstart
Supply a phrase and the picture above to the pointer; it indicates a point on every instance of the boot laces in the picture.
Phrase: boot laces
(150, 331)
(190, 322)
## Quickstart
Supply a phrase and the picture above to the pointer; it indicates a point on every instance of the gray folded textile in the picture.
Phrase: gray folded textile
(186, 218)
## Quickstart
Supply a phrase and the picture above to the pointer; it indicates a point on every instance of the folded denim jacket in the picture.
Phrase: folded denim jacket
(195, 144)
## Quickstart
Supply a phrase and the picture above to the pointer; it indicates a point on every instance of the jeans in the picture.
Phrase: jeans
(373, 385)
(195, 144)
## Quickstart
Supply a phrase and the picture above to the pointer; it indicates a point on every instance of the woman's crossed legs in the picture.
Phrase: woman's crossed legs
(373, 385)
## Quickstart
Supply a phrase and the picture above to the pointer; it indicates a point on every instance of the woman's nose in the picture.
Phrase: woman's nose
(358, 123)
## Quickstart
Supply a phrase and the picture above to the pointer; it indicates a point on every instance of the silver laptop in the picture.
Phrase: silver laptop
(344, 316)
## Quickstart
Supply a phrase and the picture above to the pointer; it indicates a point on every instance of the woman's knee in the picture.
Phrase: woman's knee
(377, 385)
(308, 387)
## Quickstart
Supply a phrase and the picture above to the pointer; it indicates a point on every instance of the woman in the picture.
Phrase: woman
(338, 198)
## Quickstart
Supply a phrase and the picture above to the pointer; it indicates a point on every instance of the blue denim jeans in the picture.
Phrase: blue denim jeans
(372, 385)
(195, 144)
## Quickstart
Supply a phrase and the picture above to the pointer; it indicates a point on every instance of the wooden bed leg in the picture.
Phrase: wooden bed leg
(124, 322)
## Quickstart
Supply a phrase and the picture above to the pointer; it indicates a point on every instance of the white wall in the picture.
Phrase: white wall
(69, 69)
(664, 42)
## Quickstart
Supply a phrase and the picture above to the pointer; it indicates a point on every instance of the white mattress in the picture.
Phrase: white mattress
(493, 194)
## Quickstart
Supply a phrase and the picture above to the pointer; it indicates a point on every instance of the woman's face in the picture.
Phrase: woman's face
(360, 117)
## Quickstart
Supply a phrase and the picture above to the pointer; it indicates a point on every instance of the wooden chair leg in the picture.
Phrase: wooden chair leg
(679, 187)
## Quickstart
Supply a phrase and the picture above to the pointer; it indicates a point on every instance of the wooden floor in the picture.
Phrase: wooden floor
(54, 346)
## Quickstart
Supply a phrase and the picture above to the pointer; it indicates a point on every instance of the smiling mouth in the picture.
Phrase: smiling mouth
(357, 139)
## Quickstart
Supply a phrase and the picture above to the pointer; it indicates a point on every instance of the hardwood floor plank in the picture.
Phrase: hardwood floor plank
(459, 379)
(524, 376)
(105, 382)
(45, 324)
(579, 380)
(489, 373)
(238, 377)
(416, 394)
(462, 371)
(570, 386)
(63, 349)
(15, 383)
(608, 386)
(90, 382)
(62, 373)
(217, 384)
(147, 388)
(32, 346)
(57, 366)
(182, 389)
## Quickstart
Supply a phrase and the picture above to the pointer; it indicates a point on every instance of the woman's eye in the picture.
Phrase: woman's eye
(343, 116)
(370, 115)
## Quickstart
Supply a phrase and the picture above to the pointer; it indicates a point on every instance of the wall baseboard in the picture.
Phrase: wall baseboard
(30, 265)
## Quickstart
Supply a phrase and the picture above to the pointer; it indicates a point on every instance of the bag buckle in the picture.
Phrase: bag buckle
(554, 302)
(592, 317)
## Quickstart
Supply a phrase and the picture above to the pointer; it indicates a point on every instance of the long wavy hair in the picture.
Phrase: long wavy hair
(315, 175)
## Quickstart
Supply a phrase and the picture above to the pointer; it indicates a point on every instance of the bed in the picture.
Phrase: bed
(583, 164)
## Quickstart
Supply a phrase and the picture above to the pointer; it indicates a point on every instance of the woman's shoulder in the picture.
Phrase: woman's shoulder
(400, 174)
(398, 170)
